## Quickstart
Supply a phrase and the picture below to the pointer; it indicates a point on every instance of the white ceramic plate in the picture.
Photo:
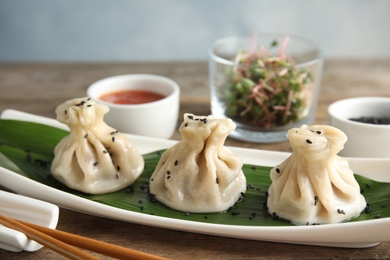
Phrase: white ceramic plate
(353, 234)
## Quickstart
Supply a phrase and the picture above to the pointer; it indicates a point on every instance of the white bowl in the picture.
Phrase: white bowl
(154, 119)
(364, 139)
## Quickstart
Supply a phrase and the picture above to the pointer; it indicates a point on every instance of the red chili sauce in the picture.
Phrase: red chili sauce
(133, 97)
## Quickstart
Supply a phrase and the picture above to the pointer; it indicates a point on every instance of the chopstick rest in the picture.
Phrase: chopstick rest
(46, 240)
(16, 206)
(63, 242)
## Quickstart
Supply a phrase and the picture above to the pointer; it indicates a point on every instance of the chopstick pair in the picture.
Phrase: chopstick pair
(64, 243)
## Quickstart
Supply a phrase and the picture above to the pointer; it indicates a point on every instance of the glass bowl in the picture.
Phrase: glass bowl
(266, 84)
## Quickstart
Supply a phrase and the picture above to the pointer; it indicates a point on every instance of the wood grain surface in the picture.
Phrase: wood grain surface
(39, 88)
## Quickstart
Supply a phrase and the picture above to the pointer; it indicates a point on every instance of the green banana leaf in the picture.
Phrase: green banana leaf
(27, 149)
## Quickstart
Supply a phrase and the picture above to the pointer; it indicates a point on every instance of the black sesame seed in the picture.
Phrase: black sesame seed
(117, 175)
(66, 112)
(89, 105)
(168, 172)
(235, 213)
(277, 170)
(191, 117)
(217, 180)
(250, 186)
(367, 209)
(340, 211)
(41, 163)
(113, 139)
(308, 141)
(88, 99)
(118, 168)
(205, 120)
(186, 124)
(152, 197)
(176, 162)
(86, 136)
(168, 177)
(319, 132)
(95, 163)
(151, 179)
(315, 200)
(105, 151)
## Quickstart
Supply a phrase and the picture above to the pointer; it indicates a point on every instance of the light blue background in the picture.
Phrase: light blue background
(171, 30)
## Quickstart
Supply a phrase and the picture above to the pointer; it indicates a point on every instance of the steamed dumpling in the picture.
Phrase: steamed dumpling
(94, 158)
(314, 185)
(199, 174)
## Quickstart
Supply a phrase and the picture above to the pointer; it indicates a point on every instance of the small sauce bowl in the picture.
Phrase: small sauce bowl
(364, 139)
(154, 119)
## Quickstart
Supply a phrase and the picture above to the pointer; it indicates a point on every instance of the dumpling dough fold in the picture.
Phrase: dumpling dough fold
(199, 174)
(314, 185)
(94, 158)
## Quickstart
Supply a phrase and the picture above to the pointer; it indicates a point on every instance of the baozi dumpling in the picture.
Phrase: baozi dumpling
(314, 185)
(94, 158)
(199, 174)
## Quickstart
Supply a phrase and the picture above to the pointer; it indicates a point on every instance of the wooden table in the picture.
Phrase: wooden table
(39, 88)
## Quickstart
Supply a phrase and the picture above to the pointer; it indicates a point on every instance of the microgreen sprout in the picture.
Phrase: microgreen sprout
(266, 90)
